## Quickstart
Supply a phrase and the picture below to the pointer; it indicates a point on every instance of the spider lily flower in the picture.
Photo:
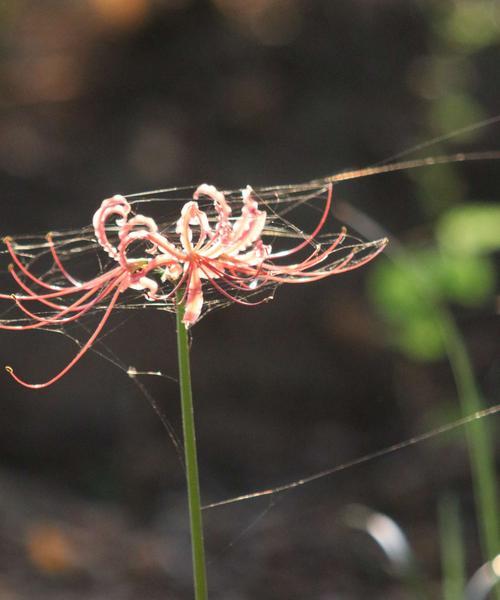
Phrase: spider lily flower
(225, 253)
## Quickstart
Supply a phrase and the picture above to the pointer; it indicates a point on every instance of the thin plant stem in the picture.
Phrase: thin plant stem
(478, 434)
(480, 440)
(191, 459)
(452, 548)
(479, 437)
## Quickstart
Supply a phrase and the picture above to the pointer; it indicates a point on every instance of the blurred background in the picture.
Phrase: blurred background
(99, 97)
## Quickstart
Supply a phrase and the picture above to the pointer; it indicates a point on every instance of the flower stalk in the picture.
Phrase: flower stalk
(190, 455)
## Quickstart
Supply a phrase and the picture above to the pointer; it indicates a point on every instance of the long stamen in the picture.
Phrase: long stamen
(342, 267)
(42, 298)
(58, 261)
(8, 242)
(312, 260)
(310, 237)
(77, 306)
(235, 281)
(227, 294)
(80, 354)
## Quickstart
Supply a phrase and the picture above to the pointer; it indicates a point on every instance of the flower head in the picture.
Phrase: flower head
(211, 249)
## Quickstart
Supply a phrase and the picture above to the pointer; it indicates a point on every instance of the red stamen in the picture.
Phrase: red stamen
(58, 262)
(25, 270)
(228, 295)
(311, 237)
(76, 306)
(82, 351)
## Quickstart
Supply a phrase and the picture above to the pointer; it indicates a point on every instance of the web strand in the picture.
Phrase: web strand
(359, 461)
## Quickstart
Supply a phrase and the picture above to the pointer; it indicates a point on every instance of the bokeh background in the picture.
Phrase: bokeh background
(119, 96)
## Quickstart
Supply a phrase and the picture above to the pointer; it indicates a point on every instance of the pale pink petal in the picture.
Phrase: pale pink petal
(248, 227)
(145, 283)
(192, 215)
(138, 223)
(194, 299)
(115, 206)
(223, 227)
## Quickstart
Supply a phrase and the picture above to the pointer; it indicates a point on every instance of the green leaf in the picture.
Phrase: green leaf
(421, 339)
(395, 291)
(473, 25)
(467, 280)
(470, 229)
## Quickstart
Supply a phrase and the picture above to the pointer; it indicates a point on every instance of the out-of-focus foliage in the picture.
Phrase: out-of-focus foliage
(472, 24)
(446, 77)
(410, 290)
(470, 229)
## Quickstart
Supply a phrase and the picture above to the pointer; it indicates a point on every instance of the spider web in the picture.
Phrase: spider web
(82, 256)
(285, 205)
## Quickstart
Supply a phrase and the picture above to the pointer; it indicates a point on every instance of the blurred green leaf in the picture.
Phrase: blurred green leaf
(470, 229)
(467, 280)
(409, 293)
(421, 338)
(404, 290)
(438, 188)
(395, 291)
(455, 110)
(473, 24)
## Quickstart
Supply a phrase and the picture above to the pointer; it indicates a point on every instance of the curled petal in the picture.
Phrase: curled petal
(256, 255)
(144, 283)
(245, 231)
(139, 222)
(171, 272)
(115, 206)
(249, 227)
(192, 215)
(223, 227)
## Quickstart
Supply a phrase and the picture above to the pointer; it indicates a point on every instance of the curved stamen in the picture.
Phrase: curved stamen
(58, 262)
(42, 298)
(318, 228)
(228, 295)
(8, 242)
(80, 354)
(41, 321)
(76, 306)
(235, 281)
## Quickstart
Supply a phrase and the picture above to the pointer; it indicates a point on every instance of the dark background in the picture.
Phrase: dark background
(106, 96)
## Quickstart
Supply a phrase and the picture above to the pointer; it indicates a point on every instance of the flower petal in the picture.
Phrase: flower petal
(194, 299)
(117, 205)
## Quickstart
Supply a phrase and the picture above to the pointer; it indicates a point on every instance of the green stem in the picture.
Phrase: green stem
(478, 433)
(193, 482)
(452, 548)
(479, 436)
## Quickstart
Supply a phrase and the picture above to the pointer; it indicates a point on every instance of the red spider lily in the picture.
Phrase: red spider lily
(228, 254)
